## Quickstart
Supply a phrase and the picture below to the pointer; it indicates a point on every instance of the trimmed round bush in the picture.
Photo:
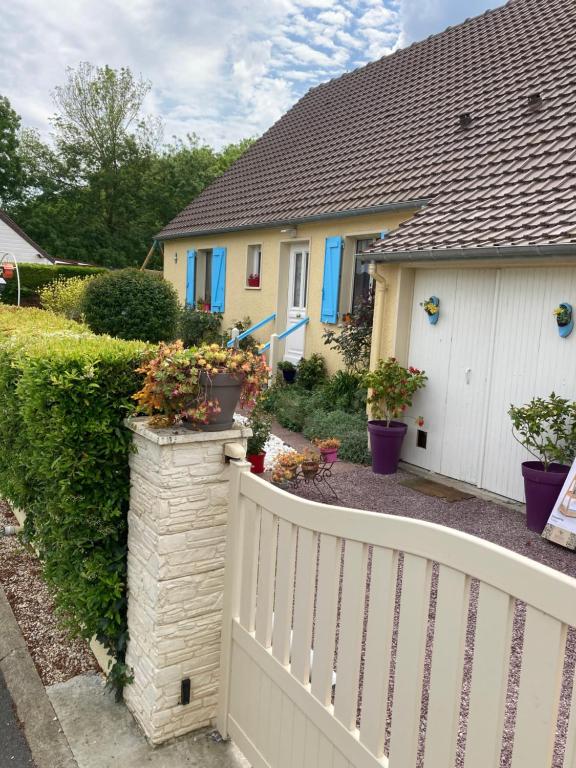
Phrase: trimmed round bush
(131, 304)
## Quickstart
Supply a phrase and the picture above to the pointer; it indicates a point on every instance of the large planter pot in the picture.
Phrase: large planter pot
(226, 389)
(386, 444)
(541, 489)
(257, 461)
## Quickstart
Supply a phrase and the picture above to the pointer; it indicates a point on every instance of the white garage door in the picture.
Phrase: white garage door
(495, 344)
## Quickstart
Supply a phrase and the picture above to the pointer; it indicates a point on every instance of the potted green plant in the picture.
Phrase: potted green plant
(391, 389)
(547, 429)
(328, 448)
(260, 423)
(288, 371)
(199, 387)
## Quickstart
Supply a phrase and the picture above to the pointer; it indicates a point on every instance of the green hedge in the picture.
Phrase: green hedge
(64, 394)
(35, 276)
(350, 428)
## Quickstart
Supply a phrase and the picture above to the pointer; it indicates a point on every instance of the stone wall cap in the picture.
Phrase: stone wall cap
(181, 435)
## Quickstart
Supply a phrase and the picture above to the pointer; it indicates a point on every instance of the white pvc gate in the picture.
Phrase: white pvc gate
(357, 639)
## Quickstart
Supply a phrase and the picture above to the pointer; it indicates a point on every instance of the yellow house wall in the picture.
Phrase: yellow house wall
(272, 294)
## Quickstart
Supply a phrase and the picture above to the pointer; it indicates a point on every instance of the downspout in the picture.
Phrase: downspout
(378, 321)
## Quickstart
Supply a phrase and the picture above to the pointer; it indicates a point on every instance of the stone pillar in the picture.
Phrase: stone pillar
(176, 542)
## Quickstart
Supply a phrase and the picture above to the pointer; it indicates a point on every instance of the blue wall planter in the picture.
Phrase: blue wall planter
(566, 328)
(433, 319)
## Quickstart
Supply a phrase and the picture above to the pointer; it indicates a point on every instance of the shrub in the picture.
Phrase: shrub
(312, 371)
(131, 304)
(260, 423)
(546, 428)
(33, 277)
(292, 405)
(64, 394)
(393, 388)
(64, 296)
(249, 343)
(354, 338)
(349, 428)
(343, 391)
(196, 327)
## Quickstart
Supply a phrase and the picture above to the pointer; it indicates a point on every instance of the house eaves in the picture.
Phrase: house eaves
(407, 205)
(472, 254)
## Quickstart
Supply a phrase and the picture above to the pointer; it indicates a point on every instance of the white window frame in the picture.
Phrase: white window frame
(254, 265)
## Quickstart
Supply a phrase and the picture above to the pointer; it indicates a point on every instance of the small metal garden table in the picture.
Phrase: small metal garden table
(319, 481)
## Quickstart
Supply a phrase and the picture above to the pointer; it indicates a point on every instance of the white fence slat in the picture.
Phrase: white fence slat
(275, 724)
(286, 733)
(325, 753)
(570, 752)
(266, 574)
(264, 715)
(350, 639)
(325, 627)
(311, 746)
(304, 605)
(298, 737)
(249, 565)
(412, 626)
(495, 614)
(378, 643)
(447, 665)
(284, 597)
(539, 691)
(339, 761)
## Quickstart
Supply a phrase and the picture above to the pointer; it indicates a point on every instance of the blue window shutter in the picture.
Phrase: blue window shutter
(218, 279)
(331, 284)
(383, 234)
(190, 276)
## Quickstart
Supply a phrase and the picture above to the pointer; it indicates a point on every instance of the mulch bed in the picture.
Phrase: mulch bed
(56, 656)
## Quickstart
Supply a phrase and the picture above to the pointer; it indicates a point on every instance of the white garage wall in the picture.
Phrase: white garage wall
(497, 325)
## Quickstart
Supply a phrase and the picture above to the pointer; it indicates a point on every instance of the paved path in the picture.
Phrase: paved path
(14, 750)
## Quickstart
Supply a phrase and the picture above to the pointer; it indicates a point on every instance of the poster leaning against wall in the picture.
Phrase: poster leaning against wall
(561, 525)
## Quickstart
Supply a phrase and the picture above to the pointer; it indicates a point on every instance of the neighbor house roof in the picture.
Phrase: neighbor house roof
(390, 133)
(19, 231)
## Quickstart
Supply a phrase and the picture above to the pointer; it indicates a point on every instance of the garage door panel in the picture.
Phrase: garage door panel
(468, 374)
(530, 359)
(430, 351)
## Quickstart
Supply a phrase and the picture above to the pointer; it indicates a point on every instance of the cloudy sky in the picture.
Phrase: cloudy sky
(223, 69)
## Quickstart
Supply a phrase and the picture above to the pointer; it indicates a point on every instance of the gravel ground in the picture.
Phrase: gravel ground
(361, 489)
(56, 656)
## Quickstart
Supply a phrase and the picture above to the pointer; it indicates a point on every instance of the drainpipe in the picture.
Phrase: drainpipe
(379, 304)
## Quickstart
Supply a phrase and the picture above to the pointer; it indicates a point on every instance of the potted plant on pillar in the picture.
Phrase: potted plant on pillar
(547, 429)
(288, 371)
(391, 389)
(260, 423)
(199, 387)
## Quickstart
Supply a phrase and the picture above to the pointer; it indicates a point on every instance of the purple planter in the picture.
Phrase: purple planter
(541, 490)
(386, 444)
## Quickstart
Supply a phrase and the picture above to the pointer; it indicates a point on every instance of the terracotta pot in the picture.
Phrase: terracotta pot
(541, 490)
(225, 388)
(386, 444)
(257, 461)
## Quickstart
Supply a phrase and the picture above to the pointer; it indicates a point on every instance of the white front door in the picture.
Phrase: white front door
(297, 299)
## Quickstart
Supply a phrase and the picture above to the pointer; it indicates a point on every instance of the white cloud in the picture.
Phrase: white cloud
(223, 69)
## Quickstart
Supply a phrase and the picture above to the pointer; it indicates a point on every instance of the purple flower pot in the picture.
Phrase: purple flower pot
(386, 444)
(541, 490)
(330, 456)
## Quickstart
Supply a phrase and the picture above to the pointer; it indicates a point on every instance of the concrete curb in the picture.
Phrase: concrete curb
(47, 743)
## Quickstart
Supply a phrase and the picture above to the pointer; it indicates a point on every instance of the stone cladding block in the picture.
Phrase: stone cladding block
(176, 542)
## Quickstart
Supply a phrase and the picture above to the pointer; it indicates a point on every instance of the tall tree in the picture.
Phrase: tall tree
(10, 167)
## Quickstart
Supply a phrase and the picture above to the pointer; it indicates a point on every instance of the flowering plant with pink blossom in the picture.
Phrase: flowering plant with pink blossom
(174, 388)
(391, 388)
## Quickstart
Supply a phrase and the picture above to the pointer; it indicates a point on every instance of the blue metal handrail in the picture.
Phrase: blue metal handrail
(287, 332)
(252, 328)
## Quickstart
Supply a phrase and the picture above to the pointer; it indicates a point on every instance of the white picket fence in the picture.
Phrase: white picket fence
(397, 613)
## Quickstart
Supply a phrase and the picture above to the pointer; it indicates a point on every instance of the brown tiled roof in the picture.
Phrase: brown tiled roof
(390, 132)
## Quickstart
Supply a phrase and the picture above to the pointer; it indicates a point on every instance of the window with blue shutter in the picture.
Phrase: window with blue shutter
(331, 283)
(218, 279)
(190, 276)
